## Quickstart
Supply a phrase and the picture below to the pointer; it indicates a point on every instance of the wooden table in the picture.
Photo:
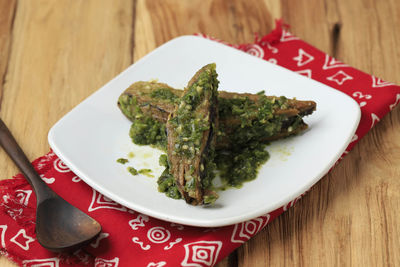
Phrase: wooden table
(53, 54)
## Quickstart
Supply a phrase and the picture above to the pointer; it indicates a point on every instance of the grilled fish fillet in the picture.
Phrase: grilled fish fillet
(191, 129)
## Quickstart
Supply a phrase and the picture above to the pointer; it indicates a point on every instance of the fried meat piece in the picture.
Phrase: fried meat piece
(191, 130)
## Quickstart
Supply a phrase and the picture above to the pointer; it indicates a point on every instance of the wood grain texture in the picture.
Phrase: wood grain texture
(7, 12)
(61, 52)
(349, 218)
(50, 60)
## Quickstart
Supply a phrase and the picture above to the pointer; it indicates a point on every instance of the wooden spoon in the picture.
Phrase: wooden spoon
(60, 226)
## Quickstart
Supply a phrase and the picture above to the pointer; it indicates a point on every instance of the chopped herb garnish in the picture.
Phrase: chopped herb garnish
(164, 94)
(132, 170)
(122, 160)
(163, 160)
(261, 92)
(146, 172)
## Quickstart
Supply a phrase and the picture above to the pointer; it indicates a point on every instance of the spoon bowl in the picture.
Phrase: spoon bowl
(60, 227)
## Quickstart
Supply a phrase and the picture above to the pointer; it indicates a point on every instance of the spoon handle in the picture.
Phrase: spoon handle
(15, 152)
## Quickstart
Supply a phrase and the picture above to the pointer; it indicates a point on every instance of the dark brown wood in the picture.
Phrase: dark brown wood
(59, 225)
(15, 152)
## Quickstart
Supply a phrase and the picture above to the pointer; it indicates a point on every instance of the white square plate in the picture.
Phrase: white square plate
(94, 134)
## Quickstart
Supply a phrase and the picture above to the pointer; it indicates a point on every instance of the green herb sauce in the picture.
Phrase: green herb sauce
(122, 160)
(163, 160)
(129, 107)
(241, 165)
(257, 119)
(146, 172)
(132, 170)
(241, 120)
(164, 94)
(166, 184)
(189, 125)
(235, 165)
(144, 129)
(147, 131)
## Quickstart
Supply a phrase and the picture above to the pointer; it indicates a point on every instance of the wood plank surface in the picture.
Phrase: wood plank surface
(53, 54)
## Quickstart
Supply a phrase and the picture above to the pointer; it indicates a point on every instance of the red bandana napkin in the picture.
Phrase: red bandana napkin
(133, 239)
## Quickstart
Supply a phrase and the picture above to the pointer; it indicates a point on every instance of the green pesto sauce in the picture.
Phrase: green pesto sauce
(122, 160)
(164, 94)
(241, 165)
(261, 92)
(188, 124)
(235, 166)
(163, 160)
(146, 172)
(129, 107)
(257, 120)
(166, 184)
(132, 170)
(253, 121)
(144, 129)
(147, 131)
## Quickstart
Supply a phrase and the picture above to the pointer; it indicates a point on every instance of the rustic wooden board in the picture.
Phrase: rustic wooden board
(53, 54)
(7, 12)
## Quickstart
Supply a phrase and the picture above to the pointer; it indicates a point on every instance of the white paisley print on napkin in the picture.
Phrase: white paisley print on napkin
(158, 235)
(331, 63)
(99, 262)
(255, 50)
(157, 264)
(100, 201)
(287, 36)
(23, 196)
(50, 262)
(303, 58)
(377, 82)
(201, 253)
(397, 101)
(22, 239)
(339, 77)
(244, 230)
(3, 229)
(305, 72)
(60, 166)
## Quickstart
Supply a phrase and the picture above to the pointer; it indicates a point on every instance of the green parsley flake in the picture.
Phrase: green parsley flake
(122, 160)
(146, 172)
(132, 170)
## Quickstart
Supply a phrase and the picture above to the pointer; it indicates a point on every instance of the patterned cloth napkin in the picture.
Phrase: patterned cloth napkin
(133, 239)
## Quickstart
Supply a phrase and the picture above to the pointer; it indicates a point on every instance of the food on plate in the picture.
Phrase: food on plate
(191, 135)
(133, 171)
(122, 160)
(206, 132)
(242, 117)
